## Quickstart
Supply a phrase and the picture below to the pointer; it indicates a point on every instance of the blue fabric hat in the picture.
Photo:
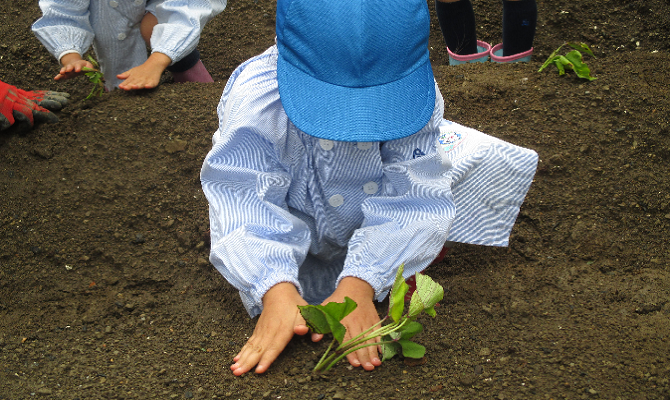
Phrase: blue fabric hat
(355, 70)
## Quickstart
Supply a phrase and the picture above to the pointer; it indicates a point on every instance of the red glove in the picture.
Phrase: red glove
(6, 106)
(28, 107)
(52, 101)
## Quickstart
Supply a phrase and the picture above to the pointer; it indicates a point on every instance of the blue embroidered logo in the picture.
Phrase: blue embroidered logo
(418, 153)
(449, 139)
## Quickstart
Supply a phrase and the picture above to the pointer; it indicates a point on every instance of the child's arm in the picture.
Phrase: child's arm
(65, 30)
(72, 66)
(257, 244)
(278, 322)
(178, 35)
(363, 317)
(147, 75)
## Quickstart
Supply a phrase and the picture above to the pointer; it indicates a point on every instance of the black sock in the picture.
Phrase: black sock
(185, 63)
(457, 22)
(519, 21)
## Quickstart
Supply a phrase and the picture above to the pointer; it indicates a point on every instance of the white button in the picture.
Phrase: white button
(326, 144)
(370, 187)
(364, 145)
(121, 36)
(138, 2)
(113, 3)
(336, 200)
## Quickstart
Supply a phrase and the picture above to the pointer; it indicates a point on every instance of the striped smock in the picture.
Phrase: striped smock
(289, 207)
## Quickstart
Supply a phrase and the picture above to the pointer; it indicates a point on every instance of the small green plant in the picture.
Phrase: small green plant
(95, 77)
(396, 335)
(572, 60)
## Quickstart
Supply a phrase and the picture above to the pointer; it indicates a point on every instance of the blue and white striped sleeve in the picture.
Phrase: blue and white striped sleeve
(256, 241)
(180, 23)
(409, 222)
(64, 26)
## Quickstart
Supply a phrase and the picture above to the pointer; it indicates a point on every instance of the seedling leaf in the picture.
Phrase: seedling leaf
(578, 66)
(340, 310)
(572, 60)
(326, 319)
(411, 349)
(397, 297)
(390, 348)
(426, 295)
(95, 77)
(561, 62)
(315, 318)
(409, 330)
(92, 61)
(582, 47)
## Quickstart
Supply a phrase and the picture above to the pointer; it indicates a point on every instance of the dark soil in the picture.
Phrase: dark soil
(106, 291)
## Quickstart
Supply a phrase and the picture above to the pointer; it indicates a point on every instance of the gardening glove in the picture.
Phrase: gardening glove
(52, 101)
(23, 106)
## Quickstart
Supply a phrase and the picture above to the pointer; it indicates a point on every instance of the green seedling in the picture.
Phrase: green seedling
(395, 330)
(572, 60)
(95, 77)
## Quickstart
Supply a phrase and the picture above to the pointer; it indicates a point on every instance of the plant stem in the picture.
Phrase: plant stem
(323, 357)
(384, 330)
(341, 356)
(348, 342)
(358, 342)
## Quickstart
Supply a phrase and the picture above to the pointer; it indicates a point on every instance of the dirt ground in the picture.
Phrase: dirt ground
(106, 291)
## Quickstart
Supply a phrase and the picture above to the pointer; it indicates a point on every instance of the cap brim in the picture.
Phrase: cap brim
(371, 114)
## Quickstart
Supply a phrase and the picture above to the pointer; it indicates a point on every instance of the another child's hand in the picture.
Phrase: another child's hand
(72, 66)
(28, 107)
(147, 75)
(279, 321)
(363, 317)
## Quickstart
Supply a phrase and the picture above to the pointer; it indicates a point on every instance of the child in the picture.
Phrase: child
(332, 166)
(457, 22)
(120, 31)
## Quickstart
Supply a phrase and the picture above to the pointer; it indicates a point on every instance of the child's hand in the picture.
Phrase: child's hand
(278, 322)
(363, 317)
(147, 75)
(72, 66)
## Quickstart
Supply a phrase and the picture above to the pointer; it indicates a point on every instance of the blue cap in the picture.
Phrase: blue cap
(355, 70)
